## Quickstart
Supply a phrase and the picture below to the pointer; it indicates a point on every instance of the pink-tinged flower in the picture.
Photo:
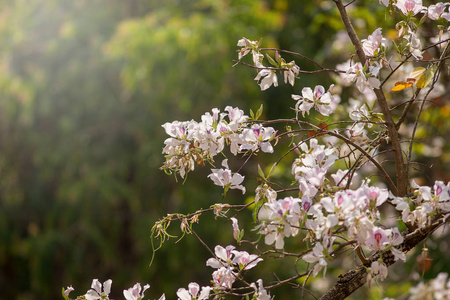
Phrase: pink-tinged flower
(291, 73)
(96, 290)
(376, 195)
(385, 2)
(306, 203)
(136, 292)
(378, 239)
(236, 117)
(410, 7)
(372, 44)
(437, 11)
(355, 73)
(247, 46)
(341, 203)
(224, 257)
(193, 292)
(244, 260)
(258, 137)
(223, 278)
(266, 78)
(67, 291)
(224, 178)
(260, 291)
(319, 98)
(236, 231)
(441, 191)
(284, 216)
(305, 187)
(341, 178)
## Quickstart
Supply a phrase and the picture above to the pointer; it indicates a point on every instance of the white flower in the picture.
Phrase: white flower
(341, 177)
(319, 98)
(415, 46)
(267, 77)
(224, 257)
(438, 11)
(247, 46)
(377, 239)
(373, 43)
(244, 260)
(377, 269)
(96, 290)
(223, 178)
(258, 137)
(291, 73)
(318, 255)
(398, 254)
(134, 293)
(236, 231)
(192, 293)
(265, 192)
(260, 292)
(68, 290)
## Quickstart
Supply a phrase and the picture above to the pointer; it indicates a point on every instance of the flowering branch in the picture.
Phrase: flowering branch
(354, 279)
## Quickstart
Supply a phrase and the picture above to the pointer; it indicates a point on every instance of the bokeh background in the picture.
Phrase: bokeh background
(85, 86)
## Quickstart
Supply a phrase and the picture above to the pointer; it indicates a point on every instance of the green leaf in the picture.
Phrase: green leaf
(272, 170)
(271, 61)
(259, 112)
(261, 173)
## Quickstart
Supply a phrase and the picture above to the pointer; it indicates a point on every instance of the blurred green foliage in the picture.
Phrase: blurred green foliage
(84, 88)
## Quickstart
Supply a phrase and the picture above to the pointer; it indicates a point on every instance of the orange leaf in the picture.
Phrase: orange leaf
(401, 85)
(322, 126)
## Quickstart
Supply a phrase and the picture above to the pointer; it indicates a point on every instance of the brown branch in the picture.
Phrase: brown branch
(295, 54)
(381, 100)
(322, 70)
(406, 109)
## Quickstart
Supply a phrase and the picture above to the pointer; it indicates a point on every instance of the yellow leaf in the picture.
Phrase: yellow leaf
(417, 73)
(425, 79)
(401, 85)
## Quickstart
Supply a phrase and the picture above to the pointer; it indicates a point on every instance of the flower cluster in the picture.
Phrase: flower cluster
(228, 262)
(280, 219)
(191, 142)
(437, 11)
(310, 168)
(438, 288)
(327, 212)
(224, 178)
(193, 292)
(267, 76)
(427, 202)
(99, 291)
(319, 99)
